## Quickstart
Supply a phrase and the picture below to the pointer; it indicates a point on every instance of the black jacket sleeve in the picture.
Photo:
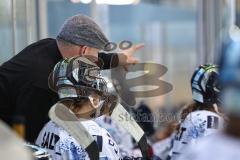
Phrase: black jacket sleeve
(108, 60)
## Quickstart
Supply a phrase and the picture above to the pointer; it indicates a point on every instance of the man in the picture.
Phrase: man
(24, 94)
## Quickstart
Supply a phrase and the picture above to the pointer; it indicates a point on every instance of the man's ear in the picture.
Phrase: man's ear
(85, 50)
(82, 50)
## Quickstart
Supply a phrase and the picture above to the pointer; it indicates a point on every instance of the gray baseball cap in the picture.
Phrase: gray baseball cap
(82, 30)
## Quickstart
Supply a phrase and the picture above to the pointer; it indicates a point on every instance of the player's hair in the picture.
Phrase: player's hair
(195, 106)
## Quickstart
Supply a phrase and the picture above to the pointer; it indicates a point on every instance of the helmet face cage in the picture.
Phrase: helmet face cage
(205, 86)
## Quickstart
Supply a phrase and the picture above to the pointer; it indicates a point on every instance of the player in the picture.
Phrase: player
(225, 145)
(201, 118)
(81, 88)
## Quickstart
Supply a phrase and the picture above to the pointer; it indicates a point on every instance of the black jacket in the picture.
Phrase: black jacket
(24, 92)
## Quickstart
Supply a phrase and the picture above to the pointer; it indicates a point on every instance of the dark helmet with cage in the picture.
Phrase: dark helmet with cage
(205, 84)
(77, 79)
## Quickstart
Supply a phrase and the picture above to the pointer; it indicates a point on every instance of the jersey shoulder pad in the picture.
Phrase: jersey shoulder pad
(203, 122)
(202, 116)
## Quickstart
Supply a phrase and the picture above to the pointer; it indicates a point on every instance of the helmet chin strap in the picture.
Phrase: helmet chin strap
(98, 111)
(215, 106)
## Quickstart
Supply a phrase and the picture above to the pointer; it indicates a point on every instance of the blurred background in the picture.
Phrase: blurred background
(179, 34)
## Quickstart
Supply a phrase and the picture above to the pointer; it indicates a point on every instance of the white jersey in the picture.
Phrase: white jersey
(219, 146)
(119, 134)
(162, 148)
(197, 124)
(63, 146)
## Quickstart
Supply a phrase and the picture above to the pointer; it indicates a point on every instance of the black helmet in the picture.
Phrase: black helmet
(204, 83)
